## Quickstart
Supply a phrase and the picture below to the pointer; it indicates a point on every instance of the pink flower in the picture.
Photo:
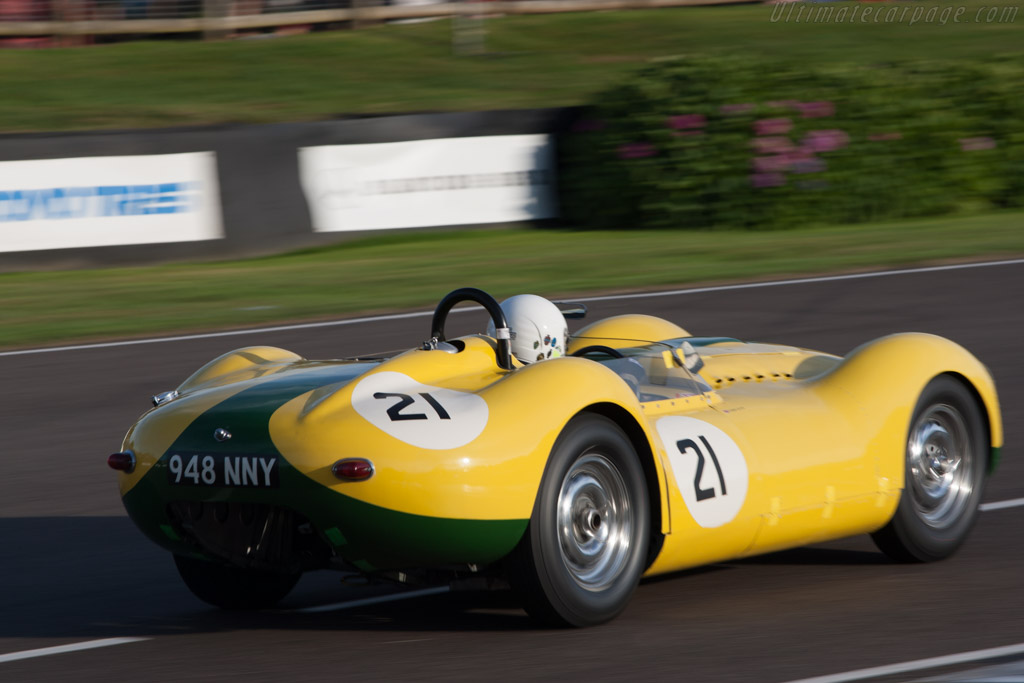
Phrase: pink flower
(884, 137)
(825, 140)
(770, 164)
(637, 150)
(816, 110)
(767, 179)
(731, 109)
(687, 121)
(772, 144)
(772, 126)
(798, 156)
(977, 144)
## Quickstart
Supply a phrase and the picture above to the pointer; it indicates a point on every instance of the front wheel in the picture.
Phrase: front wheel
(584, 550)
(233, 587)
(945, 472)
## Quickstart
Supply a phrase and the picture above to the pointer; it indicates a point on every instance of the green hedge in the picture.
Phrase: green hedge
(711, 142)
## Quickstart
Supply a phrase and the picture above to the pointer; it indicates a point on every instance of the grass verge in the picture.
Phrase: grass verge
(532, 61)
(394, 272)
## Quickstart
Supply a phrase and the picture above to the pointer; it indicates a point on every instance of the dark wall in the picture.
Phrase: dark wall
(263, 206)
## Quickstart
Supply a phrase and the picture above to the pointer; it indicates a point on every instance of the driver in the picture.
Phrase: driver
(538, 329)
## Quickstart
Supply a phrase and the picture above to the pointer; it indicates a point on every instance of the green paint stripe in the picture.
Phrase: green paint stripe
(335, 536)
(370, 535)
(994, 459)
(247, 414)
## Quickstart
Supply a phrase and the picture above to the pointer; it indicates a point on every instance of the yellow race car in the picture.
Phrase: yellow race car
(642, 450)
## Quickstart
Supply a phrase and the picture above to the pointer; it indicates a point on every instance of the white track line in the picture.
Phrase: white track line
(391, 597)
(437, 590)
(423, 314)
(61, 649)
(802, 281)
(226, 333)
(917, 665)
(1001, 505)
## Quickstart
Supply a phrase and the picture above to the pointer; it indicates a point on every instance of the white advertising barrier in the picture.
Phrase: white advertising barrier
(448, 181)
(105, 201)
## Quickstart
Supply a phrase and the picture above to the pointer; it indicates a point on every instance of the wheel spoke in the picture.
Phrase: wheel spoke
(940, 466)
(594, 522)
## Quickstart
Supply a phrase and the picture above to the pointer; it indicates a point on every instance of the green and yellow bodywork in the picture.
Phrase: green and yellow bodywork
(817, 442)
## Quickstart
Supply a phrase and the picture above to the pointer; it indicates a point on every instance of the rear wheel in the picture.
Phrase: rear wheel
(233, 587)
(945, 472)
(584, 550)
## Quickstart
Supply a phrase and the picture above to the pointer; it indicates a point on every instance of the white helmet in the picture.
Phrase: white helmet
(538, 328)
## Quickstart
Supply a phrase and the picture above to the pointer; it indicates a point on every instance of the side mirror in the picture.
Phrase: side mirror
(688, 357)
(571, 310)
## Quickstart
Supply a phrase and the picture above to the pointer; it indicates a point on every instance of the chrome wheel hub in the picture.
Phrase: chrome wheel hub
(594, 521)
(940, 465)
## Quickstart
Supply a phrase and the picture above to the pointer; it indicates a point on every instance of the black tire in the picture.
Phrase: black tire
(946, 461)
(232, 587)
(593, 466)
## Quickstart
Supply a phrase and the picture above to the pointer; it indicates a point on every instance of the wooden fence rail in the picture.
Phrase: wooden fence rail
(219, 25)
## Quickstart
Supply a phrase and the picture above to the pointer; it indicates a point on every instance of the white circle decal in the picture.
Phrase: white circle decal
(709, 468)
(419, 414)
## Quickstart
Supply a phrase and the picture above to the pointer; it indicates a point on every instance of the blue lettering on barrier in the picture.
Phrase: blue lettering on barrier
(110, 204)
(104, 201)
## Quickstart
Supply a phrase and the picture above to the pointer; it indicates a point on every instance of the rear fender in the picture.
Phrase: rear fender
(494, 476)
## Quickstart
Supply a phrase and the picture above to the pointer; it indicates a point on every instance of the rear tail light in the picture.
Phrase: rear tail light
(353, 469)
(124, 462)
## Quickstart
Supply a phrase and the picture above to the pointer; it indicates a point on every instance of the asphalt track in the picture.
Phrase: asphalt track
(74, 570)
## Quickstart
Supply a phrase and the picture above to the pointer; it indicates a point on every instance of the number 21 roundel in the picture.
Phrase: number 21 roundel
(709, 468)
(419, 414)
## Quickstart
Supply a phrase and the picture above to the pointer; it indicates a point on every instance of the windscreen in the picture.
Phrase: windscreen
(655, 371)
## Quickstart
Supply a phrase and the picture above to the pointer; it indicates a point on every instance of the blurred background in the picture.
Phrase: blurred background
(693, 142)
(177, 173)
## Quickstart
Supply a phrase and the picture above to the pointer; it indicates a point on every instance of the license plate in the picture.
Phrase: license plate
(222, 469)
